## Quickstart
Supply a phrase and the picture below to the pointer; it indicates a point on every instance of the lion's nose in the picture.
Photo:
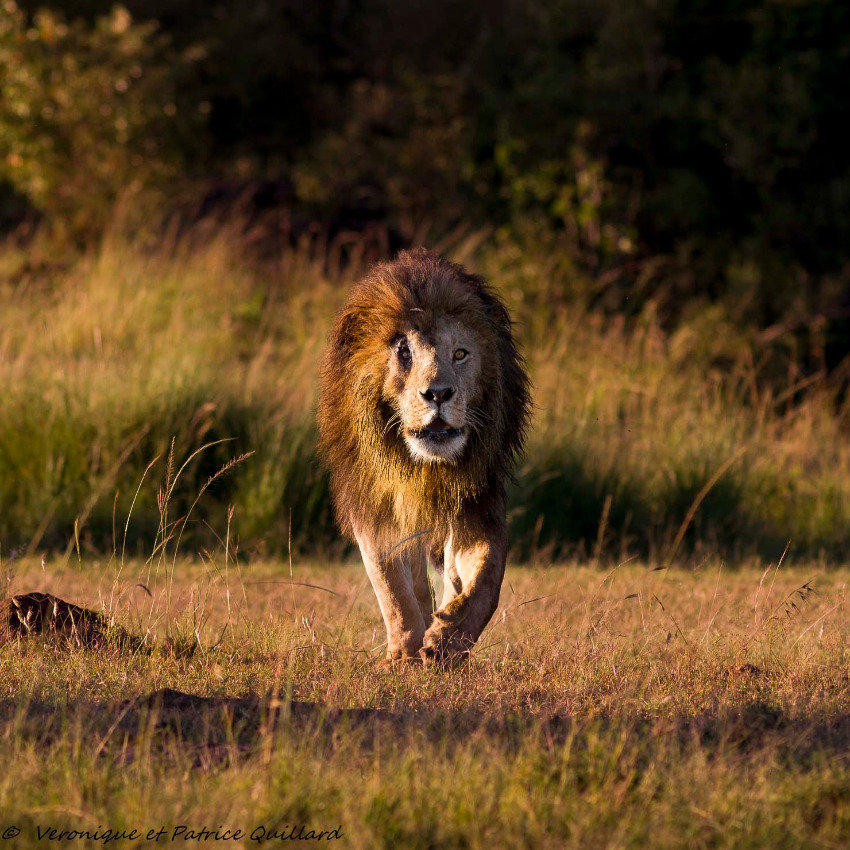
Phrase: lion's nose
(437, 394)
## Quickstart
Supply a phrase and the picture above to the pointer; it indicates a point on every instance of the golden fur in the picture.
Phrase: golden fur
(387, 488)
(371, 468)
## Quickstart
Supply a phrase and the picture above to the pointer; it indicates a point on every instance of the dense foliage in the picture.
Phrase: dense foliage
(673, 149)
(85, 112)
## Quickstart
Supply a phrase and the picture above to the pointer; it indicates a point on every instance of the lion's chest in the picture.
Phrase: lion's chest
(419, 503)
(408, 512)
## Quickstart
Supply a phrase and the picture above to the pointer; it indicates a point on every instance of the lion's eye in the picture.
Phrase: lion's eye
(460, 354)
(402, 350)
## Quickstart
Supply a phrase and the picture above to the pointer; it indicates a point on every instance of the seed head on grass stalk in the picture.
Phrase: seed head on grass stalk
(167, 530)
(789, 605)
(228, 467)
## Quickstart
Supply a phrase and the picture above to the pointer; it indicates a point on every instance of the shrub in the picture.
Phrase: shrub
(85, 113)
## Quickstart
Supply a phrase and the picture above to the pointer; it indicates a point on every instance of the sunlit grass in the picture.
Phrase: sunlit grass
(625, 708)
(644, 443)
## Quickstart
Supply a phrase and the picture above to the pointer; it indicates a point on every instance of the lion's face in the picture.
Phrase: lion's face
(432, 384)
(424, 399)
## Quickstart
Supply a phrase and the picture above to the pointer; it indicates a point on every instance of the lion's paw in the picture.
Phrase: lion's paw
(447, 649)
(397, 661)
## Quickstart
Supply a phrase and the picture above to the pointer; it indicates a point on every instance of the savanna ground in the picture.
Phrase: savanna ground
(695, 695)
(633, 706)
(660, 195)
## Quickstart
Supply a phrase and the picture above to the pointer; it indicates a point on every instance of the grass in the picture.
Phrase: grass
(625, 708)
(158, 401)
(668, 445)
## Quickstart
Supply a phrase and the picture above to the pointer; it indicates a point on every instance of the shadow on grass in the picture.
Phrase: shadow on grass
(568, 500)
(564, 505)
(211, 730)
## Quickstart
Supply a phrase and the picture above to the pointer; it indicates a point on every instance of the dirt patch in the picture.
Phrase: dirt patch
(37, 613)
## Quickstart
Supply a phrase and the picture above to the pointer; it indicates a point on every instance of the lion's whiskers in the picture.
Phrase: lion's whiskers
(477, 419)
(394, 420)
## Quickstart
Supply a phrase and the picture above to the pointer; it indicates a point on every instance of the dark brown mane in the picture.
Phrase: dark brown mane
(370, 467)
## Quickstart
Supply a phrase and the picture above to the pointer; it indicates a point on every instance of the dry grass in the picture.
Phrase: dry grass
(625, 708)
(636, 705)
(644, 442)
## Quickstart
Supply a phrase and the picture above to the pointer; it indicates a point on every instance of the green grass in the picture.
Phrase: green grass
(644, 442)
(622, 709)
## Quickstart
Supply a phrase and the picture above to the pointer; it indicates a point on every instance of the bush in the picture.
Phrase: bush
(86, 112)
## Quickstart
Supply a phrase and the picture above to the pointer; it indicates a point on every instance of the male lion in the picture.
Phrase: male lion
(424, 406)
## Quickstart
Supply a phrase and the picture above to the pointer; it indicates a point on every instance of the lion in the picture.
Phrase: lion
(423, 411)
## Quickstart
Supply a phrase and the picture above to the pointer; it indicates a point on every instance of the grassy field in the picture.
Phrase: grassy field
(629, 708)
(159, 401)
(656, 194)
(661, 444)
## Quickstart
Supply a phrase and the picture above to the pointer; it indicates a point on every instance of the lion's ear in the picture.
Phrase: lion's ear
(498, 313)
(493, 306)
(347, 331)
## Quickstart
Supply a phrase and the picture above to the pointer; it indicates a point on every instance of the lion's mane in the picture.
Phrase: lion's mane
(376, 484)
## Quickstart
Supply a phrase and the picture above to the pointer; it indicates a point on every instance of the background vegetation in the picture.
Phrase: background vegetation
(642, 444)
(661, 190)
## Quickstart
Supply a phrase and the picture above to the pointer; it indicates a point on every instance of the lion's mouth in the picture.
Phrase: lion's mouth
(436, 431)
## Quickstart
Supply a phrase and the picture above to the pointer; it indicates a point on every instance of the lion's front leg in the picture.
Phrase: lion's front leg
(478, 567)
(401, 606)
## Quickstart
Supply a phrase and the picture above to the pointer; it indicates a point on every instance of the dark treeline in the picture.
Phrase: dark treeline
(678, 150)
